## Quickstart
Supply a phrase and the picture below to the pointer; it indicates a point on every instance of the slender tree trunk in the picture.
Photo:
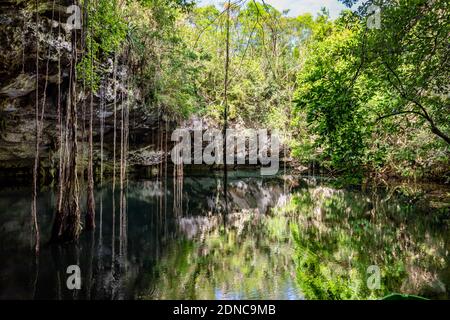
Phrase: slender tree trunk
(225, 112)
(36, 156)
(102, 131)
(71, 227)
(115, 120)
(90, 215)
(121, 196)
(59, 214)
(67, 224)
(113, 236)
(122, 145)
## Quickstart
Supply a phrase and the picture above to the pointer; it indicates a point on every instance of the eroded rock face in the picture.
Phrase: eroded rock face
(21, 86)
(23, 71)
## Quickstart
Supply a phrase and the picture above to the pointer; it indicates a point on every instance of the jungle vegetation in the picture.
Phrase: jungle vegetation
(354, 100)
(351, 98)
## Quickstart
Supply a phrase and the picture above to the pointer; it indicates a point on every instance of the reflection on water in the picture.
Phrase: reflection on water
(281, 239)
(338, 235)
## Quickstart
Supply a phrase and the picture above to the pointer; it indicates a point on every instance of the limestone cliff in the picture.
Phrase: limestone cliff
(26, 37)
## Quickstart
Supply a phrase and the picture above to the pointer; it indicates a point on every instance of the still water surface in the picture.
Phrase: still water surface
(281, 238)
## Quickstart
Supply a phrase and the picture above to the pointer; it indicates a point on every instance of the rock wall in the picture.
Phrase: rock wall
(21, 38)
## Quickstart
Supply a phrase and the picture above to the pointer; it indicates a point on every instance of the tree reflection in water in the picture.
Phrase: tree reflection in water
(281, 239)
(339, 234)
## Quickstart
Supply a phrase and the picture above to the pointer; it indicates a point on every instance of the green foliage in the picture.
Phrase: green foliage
(227, 261)
(147, 36)
(377, 99)
(165, 67)
(105, 32)
(366, 100)
(339, 234)
(264, 46)
(332, 103)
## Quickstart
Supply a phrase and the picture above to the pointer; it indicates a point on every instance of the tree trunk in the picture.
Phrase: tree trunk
(57, 223)
(71, 225)
(440, 134)
(90, 215)
(225, 112)
(36, 156)
(67, 222)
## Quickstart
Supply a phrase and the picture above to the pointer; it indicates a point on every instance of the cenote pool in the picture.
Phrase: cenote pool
(276, 238)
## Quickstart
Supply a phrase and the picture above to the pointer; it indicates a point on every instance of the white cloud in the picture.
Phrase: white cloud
(296, 7)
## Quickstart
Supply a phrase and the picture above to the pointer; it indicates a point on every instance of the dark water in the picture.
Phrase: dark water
(280, 238)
